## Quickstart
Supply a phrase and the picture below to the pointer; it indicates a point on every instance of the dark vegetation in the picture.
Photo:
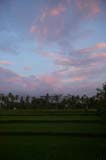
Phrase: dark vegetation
(69, 101)
(53, 127)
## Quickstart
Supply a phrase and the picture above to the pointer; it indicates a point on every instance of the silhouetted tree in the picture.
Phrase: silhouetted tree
(101, 97)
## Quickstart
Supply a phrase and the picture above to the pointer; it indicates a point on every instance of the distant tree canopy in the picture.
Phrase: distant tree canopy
(101, 95)
(102, 92)
(47, 101)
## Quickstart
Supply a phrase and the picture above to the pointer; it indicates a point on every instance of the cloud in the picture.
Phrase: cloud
(57, 10)
(12, 82)
(72, 61)
(49, 79)
(59, 22)
(91, 8)
(100, 56)
(89, 65)
(55, 27)
(33, 29)
(77, 68)
(100, 45)
(57, 58)
(27, 68)
(4, 62)
(74, 79)
(48, 83)
(94, 48)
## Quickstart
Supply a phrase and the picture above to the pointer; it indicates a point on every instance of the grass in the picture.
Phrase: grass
(54, 127)
(47, 112)
(51, 117)
(51, 147)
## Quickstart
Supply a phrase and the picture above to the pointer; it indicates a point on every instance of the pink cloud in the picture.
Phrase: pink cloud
(100, 45)
(89, 7)
(15, 79)
(27, 68)
(97, 46)
(51, 80)
(51, 83)
(33, 29)
(13, 82)
(95, 8)
(4, 62)
(50, 23)
(69, 65)
(62, 60)
(57, 58)
(57, 10)
(99, 55)
(53, 11)
(53, 26)
(74, 79)
(79, 78)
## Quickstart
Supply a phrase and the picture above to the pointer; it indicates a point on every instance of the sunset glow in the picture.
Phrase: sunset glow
(52, 46)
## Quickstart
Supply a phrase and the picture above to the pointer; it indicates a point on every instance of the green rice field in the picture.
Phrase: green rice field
(52, 135)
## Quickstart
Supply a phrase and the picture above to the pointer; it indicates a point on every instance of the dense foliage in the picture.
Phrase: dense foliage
(69, 101)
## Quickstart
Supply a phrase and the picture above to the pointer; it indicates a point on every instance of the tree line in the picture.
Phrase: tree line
(47, 101)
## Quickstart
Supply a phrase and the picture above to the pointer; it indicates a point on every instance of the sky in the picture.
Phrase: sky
(52, 46)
